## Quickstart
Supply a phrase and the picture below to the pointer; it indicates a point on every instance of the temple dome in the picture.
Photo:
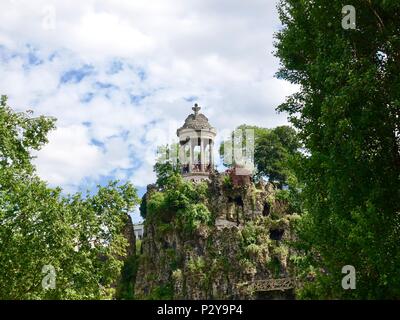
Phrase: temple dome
(196, 121)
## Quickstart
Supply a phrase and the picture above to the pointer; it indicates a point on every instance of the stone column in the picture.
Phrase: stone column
(202, 154)
(191, 162)
(182, 156)
(211, 143)
(206, 157)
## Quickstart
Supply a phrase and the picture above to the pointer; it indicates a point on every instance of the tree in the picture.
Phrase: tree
(273, 151)
(347, 112)
(19, 134)
(43, 233)
(165, 171)
(177, 200)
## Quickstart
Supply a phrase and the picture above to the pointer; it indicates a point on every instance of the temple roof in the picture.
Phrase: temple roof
(196, 121)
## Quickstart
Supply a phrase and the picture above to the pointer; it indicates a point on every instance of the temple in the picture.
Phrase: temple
(196, 143)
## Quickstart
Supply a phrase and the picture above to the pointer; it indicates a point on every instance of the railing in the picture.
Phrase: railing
(280, 284)
(196, 168)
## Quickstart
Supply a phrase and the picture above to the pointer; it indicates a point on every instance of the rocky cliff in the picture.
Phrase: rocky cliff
(223, 255)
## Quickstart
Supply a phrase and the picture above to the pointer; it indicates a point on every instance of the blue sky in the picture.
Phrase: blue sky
(120, 76)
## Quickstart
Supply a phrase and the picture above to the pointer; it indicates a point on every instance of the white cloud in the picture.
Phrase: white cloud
(69, 156)
(108, 34)
(216, 51)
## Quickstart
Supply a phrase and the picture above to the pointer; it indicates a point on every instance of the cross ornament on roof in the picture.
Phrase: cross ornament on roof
(196, 109)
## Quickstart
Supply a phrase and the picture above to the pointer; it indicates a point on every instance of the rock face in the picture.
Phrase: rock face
(245, 244)
(130, 237)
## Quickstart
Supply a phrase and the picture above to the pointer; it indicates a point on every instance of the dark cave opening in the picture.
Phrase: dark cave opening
(239, 201)
(276, 234)
(266, 209)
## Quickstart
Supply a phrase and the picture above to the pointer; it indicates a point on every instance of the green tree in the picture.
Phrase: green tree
(19, 134)
(81, 237)
(347, 112)
(165, 171)
(274, 150)
(177, 201)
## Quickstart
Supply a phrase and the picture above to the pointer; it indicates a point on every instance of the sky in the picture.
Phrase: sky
(121, 76)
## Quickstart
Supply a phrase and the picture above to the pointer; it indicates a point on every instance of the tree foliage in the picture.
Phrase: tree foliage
(81, 237)
(177, 201)
(19, 134)
(347, 112)
(274, 150)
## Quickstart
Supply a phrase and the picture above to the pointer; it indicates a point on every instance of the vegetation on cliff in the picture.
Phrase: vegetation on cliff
(178, 200)
(210, 240)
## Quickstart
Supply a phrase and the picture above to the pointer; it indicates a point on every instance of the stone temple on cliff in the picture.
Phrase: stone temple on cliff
(196, 144)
